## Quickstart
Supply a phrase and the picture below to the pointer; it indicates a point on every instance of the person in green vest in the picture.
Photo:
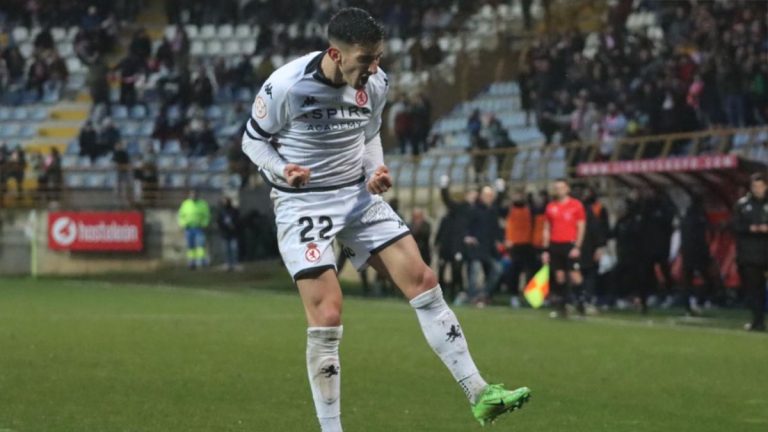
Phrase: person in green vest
(194, 217)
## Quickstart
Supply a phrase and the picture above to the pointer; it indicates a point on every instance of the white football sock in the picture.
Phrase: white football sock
(444, 335)
(325, 375)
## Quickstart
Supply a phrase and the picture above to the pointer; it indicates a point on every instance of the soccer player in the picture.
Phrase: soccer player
(563, 236)
(314, 134)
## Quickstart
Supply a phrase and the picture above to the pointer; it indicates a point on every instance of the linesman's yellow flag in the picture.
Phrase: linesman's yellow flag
(538, 288)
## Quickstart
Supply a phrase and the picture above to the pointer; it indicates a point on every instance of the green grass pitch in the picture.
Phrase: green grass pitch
(95, 356)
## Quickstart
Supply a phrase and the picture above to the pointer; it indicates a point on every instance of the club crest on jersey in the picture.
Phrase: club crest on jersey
(261, 107)
(313, 253)
(361, 97)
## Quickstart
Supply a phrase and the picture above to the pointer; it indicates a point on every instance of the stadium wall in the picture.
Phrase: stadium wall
(163, 246)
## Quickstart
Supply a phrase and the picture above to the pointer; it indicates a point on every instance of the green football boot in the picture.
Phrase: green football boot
(496, 400)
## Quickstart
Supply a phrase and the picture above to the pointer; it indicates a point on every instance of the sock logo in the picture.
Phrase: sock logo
(454, 333)
(330, 371)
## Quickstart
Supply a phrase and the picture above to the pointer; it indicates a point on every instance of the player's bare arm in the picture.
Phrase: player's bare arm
(545, 243)
(576, 251)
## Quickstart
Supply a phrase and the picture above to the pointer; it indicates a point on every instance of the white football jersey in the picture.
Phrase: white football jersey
(317, 124)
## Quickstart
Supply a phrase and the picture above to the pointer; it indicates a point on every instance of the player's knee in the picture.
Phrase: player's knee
(427, 279)
(328, 314)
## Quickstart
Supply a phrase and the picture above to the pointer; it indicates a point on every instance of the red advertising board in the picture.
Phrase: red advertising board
(96, 231)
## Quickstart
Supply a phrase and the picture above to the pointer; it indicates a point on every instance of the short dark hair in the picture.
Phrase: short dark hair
(757, 177)
(355, 27)
(561, 180)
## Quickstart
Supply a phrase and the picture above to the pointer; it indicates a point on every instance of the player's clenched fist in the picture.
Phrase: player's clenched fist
(380, 181)
(296, 175)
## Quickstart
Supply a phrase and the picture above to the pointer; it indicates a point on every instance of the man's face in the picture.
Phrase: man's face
(418, 216)
(488, 195)
(358, 62)
(560, 189)
(758, 189)
(471, 196)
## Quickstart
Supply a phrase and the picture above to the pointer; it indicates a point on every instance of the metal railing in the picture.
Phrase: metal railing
(417, 178)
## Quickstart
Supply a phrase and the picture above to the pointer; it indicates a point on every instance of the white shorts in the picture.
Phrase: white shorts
(308, 223)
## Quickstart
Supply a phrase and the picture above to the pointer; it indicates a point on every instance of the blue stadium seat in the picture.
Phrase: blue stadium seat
(178, 180)
(119, 112)
(458, 174)
(198, 180)
(139, 112)
(95, 180)
(740, 140)
(422, 177)
(110, 180)
(199, 163)
(103, 161)
(172, 147)
(69, 161)
(244, 95)
(39, 114)
(404, 177)
(73, 147)
(556, 169)
(214, 112)
(218, 164)
(491, 169)
(74, 179)
(217, 181)
(20, 113)
(147, 128)
(133, 148)
(174, 113)
(10, 130)
(166, 161)
(182, 161)
(129, 129)
(76, 82)
(28, 131)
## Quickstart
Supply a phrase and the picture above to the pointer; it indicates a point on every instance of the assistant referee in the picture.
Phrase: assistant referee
(563, 236)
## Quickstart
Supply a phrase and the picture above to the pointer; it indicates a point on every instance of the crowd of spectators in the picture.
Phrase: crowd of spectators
(409, 123)
(43, 75)
(487, 133)
(403, 18)
(46, 170)
(709, 70)
(181, 89)
(498, 232)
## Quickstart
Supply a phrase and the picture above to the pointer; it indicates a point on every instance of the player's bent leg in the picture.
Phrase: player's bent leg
(442, 330)
(321, 294)
(402, 262)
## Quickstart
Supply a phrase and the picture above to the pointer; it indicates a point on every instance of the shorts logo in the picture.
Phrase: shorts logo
(261, 108)
(361, 97)
(313, 253)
